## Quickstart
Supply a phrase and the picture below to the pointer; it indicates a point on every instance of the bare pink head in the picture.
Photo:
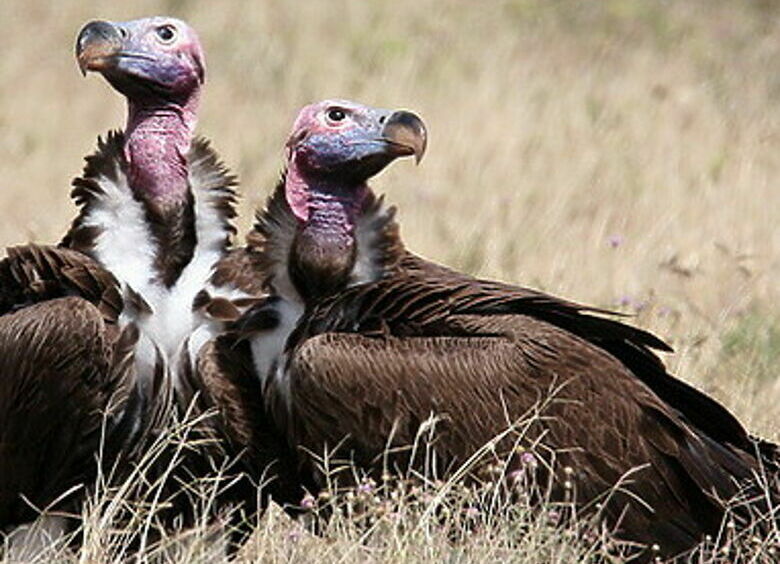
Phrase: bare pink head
(156, 57)
(334, 148)
(342, 144)
(158, 64)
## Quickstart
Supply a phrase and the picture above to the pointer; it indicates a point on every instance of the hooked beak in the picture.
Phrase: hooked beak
(406, 134)
(97, 46)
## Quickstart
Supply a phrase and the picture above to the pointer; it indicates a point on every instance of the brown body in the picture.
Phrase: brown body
(408, 339)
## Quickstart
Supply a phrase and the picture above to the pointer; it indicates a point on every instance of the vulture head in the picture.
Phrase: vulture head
(157, 57)
(158, 65)
(343, 144)
(334, 148)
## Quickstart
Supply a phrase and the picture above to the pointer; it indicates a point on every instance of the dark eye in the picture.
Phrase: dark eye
(336, 115)
(166, 33)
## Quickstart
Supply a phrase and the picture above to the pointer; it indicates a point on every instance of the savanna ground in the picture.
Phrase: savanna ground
(623, 153)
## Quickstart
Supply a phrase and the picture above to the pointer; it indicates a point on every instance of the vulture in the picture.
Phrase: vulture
(99, 334)
(361, 341)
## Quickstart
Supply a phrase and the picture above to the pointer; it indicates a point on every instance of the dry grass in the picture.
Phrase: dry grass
(623, 153)
(414, 518)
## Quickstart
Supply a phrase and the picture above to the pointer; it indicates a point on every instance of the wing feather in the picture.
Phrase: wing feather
(54, 359)
(33, 273)
(429, 297)
(481, 373)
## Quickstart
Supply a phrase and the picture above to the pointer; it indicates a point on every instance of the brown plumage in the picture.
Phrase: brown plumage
(405, 339)
(57, 375)
(420, 344)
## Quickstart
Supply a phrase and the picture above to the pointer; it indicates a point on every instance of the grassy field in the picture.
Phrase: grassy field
(623, 153)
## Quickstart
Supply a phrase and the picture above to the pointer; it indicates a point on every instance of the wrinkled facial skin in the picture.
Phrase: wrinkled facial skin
(339, 138)
(156, 56)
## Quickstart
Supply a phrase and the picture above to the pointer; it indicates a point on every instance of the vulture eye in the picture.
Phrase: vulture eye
(336, 115)
(166, 33)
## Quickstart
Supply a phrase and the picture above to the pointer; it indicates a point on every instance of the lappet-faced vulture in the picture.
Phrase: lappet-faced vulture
(362, 341)
(110, 321)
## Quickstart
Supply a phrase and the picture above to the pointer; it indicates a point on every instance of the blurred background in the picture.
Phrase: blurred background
(623, 153)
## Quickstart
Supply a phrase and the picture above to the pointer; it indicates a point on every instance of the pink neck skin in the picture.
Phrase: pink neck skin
(324, 207)
(157, 141)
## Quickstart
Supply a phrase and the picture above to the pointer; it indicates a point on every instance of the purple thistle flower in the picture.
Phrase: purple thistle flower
(615, 240)
(365, 488)
(308, 502)
(528, 459)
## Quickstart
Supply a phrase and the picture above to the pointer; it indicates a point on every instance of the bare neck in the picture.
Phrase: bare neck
(157, 140)
(324, 250)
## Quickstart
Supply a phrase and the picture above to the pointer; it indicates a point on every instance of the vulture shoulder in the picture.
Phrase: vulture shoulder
(60, 371)
(64, 365)
(32, 274)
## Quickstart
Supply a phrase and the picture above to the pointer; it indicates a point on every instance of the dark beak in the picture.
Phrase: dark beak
(97, 45)
(406, 134)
